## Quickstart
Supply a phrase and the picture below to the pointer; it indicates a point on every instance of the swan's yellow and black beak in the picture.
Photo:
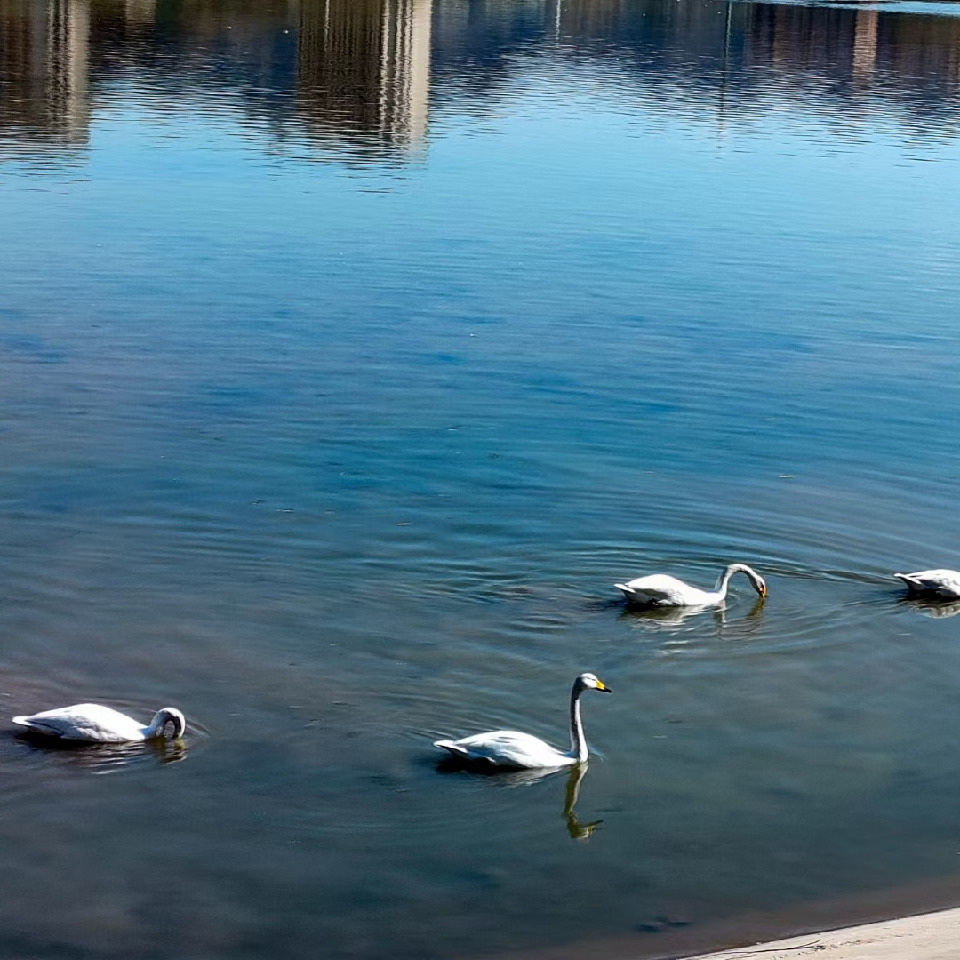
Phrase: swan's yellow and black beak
(763, 589)
(602, 687)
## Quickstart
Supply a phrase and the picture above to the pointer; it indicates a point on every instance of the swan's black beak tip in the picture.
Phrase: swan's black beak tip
(605, 689)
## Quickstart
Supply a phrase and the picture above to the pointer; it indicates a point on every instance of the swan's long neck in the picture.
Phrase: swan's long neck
(724, 581)
(156, 725)
(578, 743)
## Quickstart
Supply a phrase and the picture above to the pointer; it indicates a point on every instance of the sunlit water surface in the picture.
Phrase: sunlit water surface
(350, 352)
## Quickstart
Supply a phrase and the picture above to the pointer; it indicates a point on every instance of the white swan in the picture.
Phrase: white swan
(944, 584)
(510, 748)
(99, 724)
(659, 589)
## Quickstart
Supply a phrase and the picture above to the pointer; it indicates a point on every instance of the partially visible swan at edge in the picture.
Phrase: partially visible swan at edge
(99, 724)
(511, 748)
(944, 584)
(660, 589)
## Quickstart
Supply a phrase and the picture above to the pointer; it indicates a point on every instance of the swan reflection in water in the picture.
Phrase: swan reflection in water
(525, 778)
(103, 757)
(576, 829)
(935, 609)
(665, 618)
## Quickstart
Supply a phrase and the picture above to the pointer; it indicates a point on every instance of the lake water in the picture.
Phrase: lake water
(351, 350)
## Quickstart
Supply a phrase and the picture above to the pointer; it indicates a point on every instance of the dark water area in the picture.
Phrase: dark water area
(351, 351)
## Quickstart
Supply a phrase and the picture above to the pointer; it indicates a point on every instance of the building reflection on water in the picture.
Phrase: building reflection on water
(364, 65)
(359, 76)
(45, 71)
(359, 71)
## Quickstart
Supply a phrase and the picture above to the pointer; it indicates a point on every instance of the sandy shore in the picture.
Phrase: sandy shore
(932, 936)
(931, 932)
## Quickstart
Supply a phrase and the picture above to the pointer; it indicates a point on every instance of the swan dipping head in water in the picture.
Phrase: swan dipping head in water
(98, 724)
(513, 749)
(934, 584)
(660, 589)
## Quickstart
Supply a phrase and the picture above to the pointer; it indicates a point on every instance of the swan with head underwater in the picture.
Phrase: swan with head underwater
(660, 589)
(95, 723)
(932, 584)
(513, 749)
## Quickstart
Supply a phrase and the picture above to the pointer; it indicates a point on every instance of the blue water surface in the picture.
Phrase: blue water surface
(350, 352)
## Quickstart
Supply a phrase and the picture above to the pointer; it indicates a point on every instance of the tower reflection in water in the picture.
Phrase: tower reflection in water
(363, 69)
(45, 72)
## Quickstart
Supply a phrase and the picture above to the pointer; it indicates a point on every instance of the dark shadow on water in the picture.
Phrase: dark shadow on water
(504, 776)
(607, 603)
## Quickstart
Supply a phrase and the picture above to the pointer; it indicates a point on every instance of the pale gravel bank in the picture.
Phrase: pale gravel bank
(932, 936)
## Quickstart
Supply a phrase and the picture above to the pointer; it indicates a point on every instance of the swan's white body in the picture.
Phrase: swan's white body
(660, 589)
(99, 724)
(944, 584)
(514, 749)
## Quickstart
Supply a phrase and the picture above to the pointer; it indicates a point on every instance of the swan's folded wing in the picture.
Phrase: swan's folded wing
(506, 748)
(641, 594)
(83, 721)
(53, 723)
(657, 588)
(38, 725)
